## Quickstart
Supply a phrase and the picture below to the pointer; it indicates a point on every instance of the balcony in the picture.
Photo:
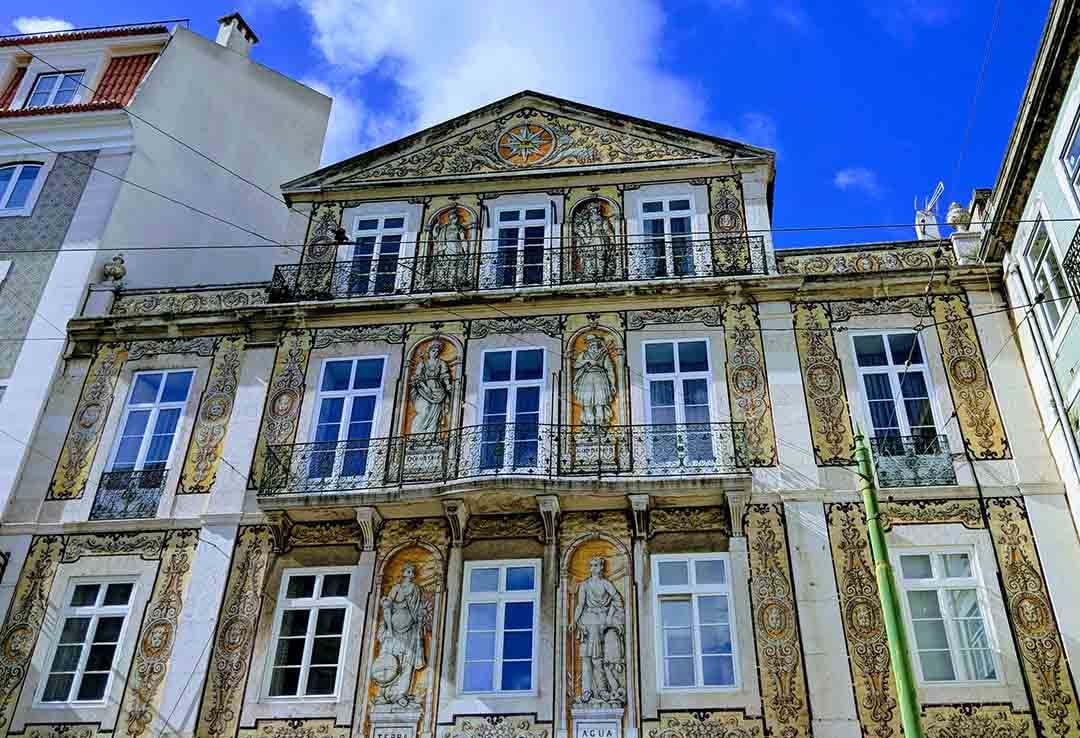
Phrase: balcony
(509, 450)
(536, 265)
(1071, 266)
(126, 495)
(913, 461)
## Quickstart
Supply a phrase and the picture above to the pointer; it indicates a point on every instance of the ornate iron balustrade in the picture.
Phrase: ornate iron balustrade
(519, 267)
(511, 449)
(123, 495)
(1071, 266)
(913, 461)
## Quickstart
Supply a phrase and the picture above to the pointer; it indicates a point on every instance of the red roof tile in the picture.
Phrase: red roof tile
(121, 78)
(50, 38)
(9, 92)
(56, 109)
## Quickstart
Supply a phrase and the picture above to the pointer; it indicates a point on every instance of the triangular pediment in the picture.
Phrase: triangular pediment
(524, 133)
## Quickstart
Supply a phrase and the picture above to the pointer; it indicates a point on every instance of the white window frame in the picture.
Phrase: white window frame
(349, 396)
(155, 408)
(939, 585)
(511, 386)
(701, 258)
(404, 250)
(31, 196)
(677, 376)
(313, 605)
(500, 598)
(1071, 175)
(490, 247)
(94, 612)
(693, 590)
(61, 75)
(1031, 272)
(894, 371)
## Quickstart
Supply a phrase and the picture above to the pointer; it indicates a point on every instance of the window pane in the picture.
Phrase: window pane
(479, 676)
(710, 571)
(20, 193)
(678, 642)
(484, 580)
(321, 680)
(100, 658)
(937, 666)
(1072, 155)
(74, 630)
(693, 356)
(930, 634)
(368, 374)
(535, 214)
(330, 622)
(118, 594)
(285, 682)
(520, 579)
(497, 366)
(335, 585)
(718, 671)
(66, 658)
(679, 672)
(294, 622)
(176, 387)
(368, 224)
(290, 652)
(675, 613)
(916, 567)
(394, 223)
(517, 644)
(652, 207)
(713, 609)
(92, 687)
(108, 630)
(509, 216)
(480, 645)
(6, 173)
(58, 687)
(518, 615)
(325, 650)
(530, 364)
(1037, 248)
(924, 604)
(957, 565)
(517, 675)
(84, 595)
(300, 586)
(673, 573)
(715, 639)
(336, 376)
(870, 351)
(146, 388)
(482, 616)
(904, 345)
(659, 358)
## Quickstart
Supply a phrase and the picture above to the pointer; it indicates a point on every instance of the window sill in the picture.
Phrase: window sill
(23, 212)
(498, 695)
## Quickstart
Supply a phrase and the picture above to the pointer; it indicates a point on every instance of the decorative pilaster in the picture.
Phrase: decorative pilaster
(282, 411)
(823, 383)
(748, 384)
(84, 433)
(212, 418)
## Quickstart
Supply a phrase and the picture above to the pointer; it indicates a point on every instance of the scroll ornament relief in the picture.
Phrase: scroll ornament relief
(296, 728)
(748, 384)
(965, 366)
(234, 637)
(321, 244)
(495, 726)
(80, 446)
(599, 625)
(823, 383)
(976, 721)
(707, 315)
(901, 512)
(181, 303)
(706, 724)
(286, 394)
(212, 419)
(862, 261)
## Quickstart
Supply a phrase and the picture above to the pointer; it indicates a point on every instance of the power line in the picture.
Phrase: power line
(978, 87)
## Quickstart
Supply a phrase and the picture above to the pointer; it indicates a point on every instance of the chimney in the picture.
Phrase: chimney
(234, 33)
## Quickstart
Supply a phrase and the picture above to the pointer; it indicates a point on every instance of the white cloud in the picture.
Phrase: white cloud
(860, 179)
(352, 127)
(445, 59)
(756, 129)
(40, 24)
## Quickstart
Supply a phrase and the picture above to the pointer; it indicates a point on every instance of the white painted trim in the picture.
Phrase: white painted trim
(894, 371)
(93, 130)
(151, 422)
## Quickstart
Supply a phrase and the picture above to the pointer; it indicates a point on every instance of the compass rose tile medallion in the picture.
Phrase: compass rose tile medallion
(525, 144)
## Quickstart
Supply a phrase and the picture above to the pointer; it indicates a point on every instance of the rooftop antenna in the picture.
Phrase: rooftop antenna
(926, 225)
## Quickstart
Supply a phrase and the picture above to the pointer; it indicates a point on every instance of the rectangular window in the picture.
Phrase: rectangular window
(151, 416)
(941, 594)
(55, 89)
(1070, 157)
(896, 388)
(501, 605)
(668, 237)
(16, 183)
(82, 661)
(309, 628)
(349, 395)
(375, 253)
(1044, 269)
(695, 621)
(511, 383)
(679, 407)
(522, 237)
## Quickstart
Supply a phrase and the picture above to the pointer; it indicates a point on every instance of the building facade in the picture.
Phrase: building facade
(104, 149)
(539, 437)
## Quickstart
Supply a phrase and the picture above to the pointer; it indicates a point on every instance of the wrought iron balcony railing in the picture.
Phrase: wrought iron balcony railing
(537, 265)
(1071, 266)
(511, 449)
(124, 495)
(913, 461)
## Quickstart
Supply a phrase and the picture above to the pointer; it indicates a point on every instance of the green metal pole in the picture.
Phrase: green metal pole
(890, 602)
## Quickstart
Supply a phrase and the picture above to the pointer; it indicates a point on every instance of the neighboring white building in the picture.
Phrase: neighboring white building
(84, 176)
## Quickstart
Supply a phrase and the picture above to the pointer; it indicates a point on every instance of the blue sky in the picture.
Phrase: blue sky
(867, 102)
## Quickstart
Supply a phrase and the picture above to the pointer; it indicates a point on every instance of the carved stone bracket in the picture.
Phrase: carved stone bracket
(639, 513)
(281, 526)
(457, 516)
(370, 523)
(736, 501)
(549, 512)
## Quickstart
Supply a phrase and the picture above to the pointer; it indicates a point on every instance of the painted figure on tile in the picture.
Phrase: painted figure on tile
(594, 383)
(595, 244)
(450, 246)
(432, 388)
(600, 627)
(401, 640)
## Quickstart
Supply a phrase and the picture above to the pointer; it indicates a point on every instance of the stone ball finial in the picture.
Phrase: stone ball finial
(958, 216)
(115, 270)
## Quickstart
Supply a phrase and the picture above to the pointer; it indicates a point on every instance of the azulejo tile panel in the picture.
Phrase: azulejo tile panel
(283, 401)
(705, 724)
(748, 383)
(495, 726)
(182, 302)
(212, 418)
(296, 728)
(863, 261)
(823, 384)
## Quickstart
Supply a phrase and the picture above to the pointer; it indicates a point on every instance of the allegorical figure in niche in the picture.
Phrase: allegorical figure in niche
(431, 390)
(450, 246)
(401, 640)
(594, 383)
(595, 245)
(600, 625)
